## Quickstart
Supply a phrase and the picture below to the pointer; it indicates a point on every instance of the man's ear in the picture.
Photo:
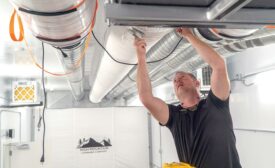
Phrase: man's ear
(197, 83)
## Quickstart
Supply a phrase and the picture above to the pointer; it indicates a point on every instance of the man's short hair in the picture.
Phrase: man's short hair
(188, 73)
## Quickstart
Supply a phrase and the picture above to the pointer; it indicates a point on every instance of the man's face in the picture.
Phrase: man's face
(184, 84)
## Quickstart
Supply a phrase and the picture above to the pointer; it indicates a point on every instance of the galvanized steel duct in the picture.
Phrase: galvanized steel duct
(261, 38)
(161, 49)
(64, 25)
(70, 60)
(183, 53)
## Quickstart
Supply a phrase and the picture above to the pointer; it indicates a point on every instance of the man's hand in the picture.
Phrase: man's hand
(140, 45)
(184, 32)
(219, 79)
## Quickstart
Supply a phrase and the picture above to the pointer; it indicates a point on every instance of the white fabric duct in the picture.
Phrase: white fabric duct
(171, 44)
(195, 62)
(120, 45)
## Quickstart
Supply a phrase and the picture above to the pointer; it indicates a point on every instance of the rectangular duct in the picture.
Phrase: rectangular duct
(254, 14)
(196, 3)
(203, 3)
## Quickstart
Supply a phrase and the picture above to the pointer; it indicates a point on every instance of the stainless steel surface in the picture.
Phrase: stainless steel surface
(204, 3)
(125, 14)
(224, 8)
(219, 7)
(267, 4)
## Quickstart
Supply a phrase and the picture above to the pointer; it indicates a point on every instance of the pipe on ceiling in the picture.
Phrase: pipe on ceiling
(120, 45)
(165, 46)
(194, 62)
(64, 25)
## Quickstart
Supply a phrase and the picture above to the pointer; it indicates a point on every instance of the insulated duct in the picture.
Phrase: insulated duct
(193, 61)
(64, 25)
(120, 45)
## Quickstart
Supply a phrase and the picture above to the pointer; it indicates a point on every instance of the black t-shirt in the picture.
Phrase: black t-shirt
(204, 138)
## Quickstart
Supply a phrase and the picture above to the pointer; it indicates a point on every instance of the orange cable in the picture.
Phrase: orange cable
(11, 27)
(89, 35)
(270, 27)
(39, 66)
(77, 6)
(82, 53)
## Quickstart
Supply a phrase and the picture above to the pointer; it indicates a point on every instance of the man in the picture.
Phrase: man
(202, 129)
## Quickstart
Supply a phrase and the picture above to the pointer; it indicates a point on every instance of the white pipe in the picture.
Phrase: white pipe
(120, 45)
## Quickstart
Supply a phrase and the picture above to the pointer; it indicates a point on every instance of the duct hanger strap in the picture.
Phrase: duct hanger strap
(70, 10)
(59, 40)
(75, 37)
(21, 29)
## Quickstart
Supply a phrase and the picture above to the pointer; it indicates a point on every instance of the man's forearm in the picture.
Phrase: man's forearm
(207, 53)
(143, 80)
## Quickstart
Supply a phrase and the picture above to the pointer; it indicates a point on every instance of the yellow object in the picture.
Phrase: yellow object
(21, 29)
(24, 92)
(177, 165)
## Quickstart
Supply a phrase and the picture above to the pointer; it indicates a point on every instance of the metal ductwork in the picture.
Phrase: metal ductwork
(120, 45)
(195, 13)
(70, 58)
(183, 53)
(190, 61)
(171, 44)
(64, 25)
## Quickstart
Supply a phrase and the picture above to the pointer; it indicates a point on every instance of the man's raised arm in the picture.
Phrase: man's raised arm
(157, 107)
(219, 79)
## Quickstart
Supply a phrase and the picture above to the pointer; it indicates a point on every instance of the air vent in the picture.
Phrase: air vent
(24, 92)
(204, 76)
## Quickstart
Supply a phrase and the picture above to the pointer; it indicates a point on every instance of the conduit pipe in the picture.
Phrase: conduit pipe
(64, 25)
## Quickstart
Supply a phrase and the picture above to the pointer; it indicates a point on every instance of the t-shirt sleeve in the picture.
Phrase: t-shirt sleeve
(171, 118)
(217, 101)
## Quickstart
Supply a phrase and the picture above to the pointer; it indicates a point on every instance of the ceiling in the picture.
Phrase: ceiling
(15, 58)
(197, 3)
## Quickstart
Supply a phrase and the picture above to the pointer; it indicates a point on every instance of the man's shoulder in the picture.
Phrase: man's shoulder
(213, 99)
(174, 107)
